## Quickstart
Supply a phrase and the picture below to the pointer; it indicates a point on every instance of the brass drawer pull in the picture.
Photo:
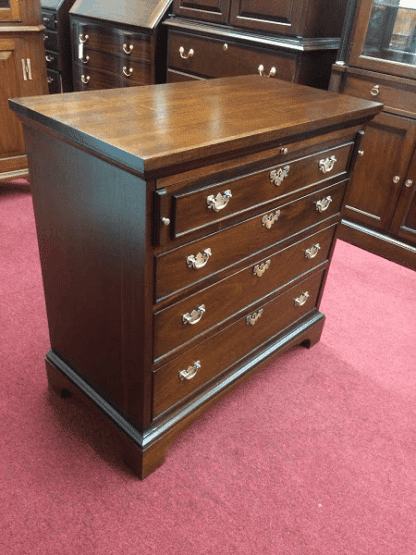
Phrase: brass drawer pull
(269, 219)
(83, 38)
(408, 183)
(313, 251)
(86, 79)
(272, 72)
(252, 319)
(259, 269)
(49, 58)
(375, 91)
(195, 316)
(220, 201)
(186, 56)
(396, 178)
(190, 372)
(322, 205)
(277, 176)
(300, 301)
(50, 80)
(199, 260)
(127, 72)
(127, 49)
(85, 60)
(327, 165)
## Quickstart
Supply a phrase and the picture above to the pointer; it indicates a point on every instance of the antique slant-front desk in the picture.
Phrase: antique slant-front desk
(185, 232)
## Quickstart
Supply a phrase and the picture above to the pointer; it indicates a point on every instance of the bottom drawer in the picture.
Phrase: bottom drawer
(179, 378)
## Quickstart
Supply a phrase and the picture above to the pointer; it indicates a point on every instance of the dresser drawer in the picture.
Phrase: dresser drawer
(51, 41)
(54, 81)
(195, 209)
(176, 380)
(52, 60)
(140, 72)
(196, 261)
(215, 58)
(128, 45)
(391, 94)
(49, 20)
(89, 78)
(183, 321)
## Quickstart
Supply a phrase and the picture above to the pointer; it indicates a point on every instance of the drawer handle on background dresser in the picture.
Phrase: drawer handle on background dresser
(313, 251)
(127, 72)
(186, 56)
(220, 201)
(195, 316)
(199, 260)
(50, 80)
(375, 91)
(85, 60)
(277, 176)
(259, 269)
(49, 58)
(86, 79)
(300, 301)
(127, 49)
(82, 39)
(269, 219)
(272, 72)
(190, 372)
(322, 205)
(327, 165)
(251, 319)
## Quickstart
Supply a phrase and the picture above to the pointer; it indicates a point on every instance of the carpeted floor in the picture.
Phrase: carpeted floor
(314, 455)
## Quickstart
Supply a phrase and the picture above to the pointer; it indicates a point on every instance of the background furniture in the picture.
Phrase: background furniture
(294, 41)
(57, 44)
(118, 44)
(161, 225)
(377, 61)
(23, 73)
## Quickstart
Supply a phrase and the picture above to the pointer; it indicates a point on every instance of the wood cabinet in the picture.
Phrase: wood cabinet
(281, 39)
(185, 233)
(118, 45)
(377, 60)
(23, 73)
(55, 17)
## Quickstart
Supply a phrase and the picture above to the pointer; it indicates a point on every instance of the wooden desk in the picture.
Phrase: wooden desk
(185, 234)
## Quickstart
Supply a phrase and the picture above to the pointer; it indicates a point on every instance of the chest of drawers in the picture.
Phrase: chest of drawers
(185, 235)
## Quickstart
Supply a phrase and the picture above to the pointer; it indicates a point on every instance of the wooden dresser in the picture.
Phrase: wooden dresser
(118, 44)
(377, 60)
(185, 233)
(22, 73)
(294, 41)
(55, 16)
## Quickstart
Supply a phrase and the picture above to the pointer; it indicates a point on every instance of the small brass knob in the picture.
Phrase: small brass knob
(225, 47)
(408, 183)
(396, 178)
(165, 221)
(284, 150)
(361, 152)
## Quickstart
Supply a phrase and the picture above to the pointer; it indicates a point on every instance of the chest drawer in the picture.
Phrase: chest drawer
(137, 71)
(195, 261)
(51, 41)
(176, 380)
(391, 94)
(52, 60)
(192, 210)
(183, 321)
(210, 57)
(49, 20)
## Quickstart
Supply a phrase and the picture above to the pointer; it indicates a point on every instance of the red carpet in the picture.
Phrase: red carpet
(315, 455)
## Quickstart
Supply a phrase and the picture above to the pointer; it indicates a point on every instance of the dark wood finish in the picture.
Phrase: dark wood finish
(118, 46)
(21, 42)
(380, 211)
(100, 214)
(55, 17)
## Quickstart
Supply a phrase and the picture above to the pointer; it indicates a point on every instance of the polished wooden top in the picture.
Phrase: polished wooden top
(150, 128)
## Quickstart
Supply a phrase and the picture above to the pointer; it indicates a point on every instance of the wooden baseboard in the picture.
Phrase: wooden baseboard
(378, 243)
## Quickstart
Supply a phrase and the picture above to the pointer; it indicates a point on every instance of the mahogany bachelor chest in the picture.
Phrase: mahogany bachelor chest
(185, 233)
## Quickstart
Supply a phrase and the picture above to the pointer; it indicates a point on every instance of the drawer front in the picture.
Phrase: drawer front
(49, 20)
(390, 94)
(186, 319)
(52, 60)
(54, 81)
(197, 209)
(92, 79)
(210, 358)
(114, 40)
(138, 72)
(210, 57)
(51, 41)
(196, 261)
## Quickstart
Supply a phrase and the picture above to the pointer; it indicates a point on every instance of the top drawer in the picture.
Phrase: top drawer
(210, 57)
(49, 20)
(193, 209)
(370, 86)
(135, 46)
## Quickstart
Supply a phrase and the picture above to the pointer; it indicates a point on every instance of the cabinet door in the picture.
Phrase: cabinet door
(9, 10)
(206, 10)
(404, 221)
(379, 172)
